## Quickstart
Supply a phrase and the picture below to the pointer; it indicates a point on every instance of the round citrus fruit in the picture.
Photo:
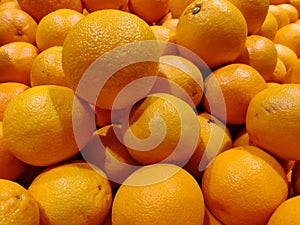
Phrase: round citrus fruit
(287, 55)
(38, 125)
(74, 192)
(287, 213)
(237, 84)
(9, 90)
(53, 28)
(16, 60)
(261, 54)
(47, 68)
(244, 185)
(123, 37)
(158, 194)
(17, 205)
(149, 10)
(218, 25)
(40, 8)
(254, 11)
(280, 14)
(273, 120)
(242, 138)
(289, 36)
(16, 25)
(161, 128)
(291, 11)
(165, 35)
(269, 27)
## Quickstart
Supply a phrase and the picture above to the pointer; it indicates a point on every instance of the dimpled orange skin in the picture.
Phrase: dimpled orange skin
(174, 197)
(16, 25)
(99, 33)
(75, 192)
(38, 125)
(214, 30)
(17, 205)
(273, 119)
(238, 84)
(244, 185)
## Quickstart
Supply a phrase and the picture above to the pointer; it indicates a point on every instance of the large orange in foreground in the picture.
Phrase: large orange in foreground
(159, 194)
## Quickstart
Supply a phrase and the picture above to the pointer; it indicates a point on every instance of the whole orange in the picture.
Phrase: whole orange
(103, 35)
(273, 120)
(218, 25)
(159, 194)
(74, 192)
(236, 84)
(38, 125)
(244, 185)
(16, 25)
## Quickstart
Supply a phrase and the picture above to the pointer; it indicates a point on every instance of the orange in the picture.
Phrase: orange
(292, 75)
(295, 179)
(9, 90)
(53, 28)
(289, 36)
(47, 68)
(210, 219)
(74, 192)
(287, 55)
(166, 35)
(280, 14)
(287, 213)
(159, 194)
(295, 3)
(273, 120)
(254, 11)
(171, 24)
(260, 53)
(244, 185)
(16, 60)
(149, 10)
(269, 27)
(40, 8)
(161, 128)
(181, 78)
(16, 25)
(220, 28)
(242, 138)
(272, 84)
(131, 40)
(168, 16)
(9, 5)
(107, 152)
(10, 167)
(237, 84)
(17, 205)
(291, 11)
(214, 138)
(38, 124)
(178, 6)
(279, 73)
(93, 5)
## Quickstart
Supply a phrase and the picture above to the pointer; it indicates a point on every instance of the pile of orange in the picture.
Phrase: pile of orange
(149, 112)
